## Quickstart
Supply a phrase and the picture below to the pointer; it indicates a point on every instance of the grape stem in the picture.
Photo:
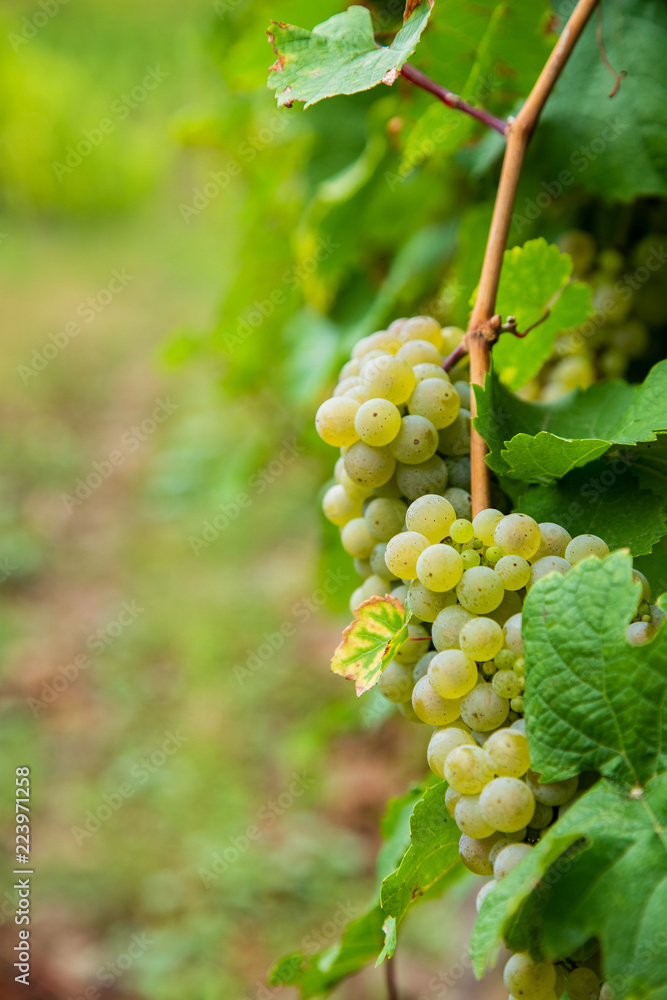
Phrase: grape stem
(390, 975)
(452, 100)
(484, 328)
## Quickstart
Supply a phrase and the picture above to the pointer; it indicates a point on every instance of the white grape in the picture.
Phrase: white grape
(378, 564)
(416, 441)
(510, 605)
(480, 590)
(447, 627)
(483, 893)
(529, 980)
(451, 799)
(415, 481)
(467, 771)
(426, 604)
(481, 638)
(470, 820)
(542, 816)
(388, 377)
(395, 682)
(460, 500)
(455, 439)
(514, 571)
(507, 804)
(384, 518)
(484, 524)
(482, 709)
(439, 567)
(512, 630)
(554, 540)
(583, 984)
(383, 340)
(554, 793)
(413, 648)
(507, 753)
(377, 422)
(508, 858)
(356, 538)
(334, 421)
(427, 370)
(367, 466)
(430, 707)
(417, 352)
(339, 507)
(548, 564)
(506, 684)
(436, 400)
(432, 516)
(452, 674)
(421, 328)
(583, 546)
(518, 535)
(474, 853)
(639, 633)
(402, 553)
(441, 744)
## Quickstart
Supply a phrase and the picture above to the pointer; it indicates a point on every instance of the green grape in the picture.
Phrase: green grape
(416, 481)
(369, 467)
(507, 753)
(359, 393)
(439, 567)
(388, 377)
(377, 562)
(554, 540)
(503, 839)
(374, 586)
(421, 328)
(646, 586)
(514, 571)
(417, 352)
(364, 569)
(384, 518)
(420, 668)
(414, 646)
(474, 853)
(460, 500)
(334, 421)
(406, 709)
(400, 593)
(542, 816)
(581, 248)
(356, 598)
(454, 440)
(506, 684)
(504, 660)
(512, 630)
(510, 605)
(351, 367)
(555, 793)
(451, 338)
(469, 819)
(339, 507)
(483, 893)
(520, 667)
(481, 638)
(632, 338)
(383, 340)
(427, 604)
(518, 535)
(583, 546)
(545, 566)
(452, 674)
(462, 531)
(437, 401)
(488, 668)
(519, 725)
(508, 857)
(470, 558)
(451, 798)
(465, 394)
(430, 707)
(639, 633)
(467, 771)
(484, 524)
(447, 627)
(402, 553)
(483, 710)
(459, 473)
(583, 984)
(346, 383)
(389, 490)
(493, 554)
(432, 516)
(353, 489)
(606, 992)
(395, 682)
(480, 590)
(507, 804)
(377, 422)
(427, 370)
(529, 980)
(356, 538)
(416, 440)
(611, 303)
(516, 704)
(442, 743)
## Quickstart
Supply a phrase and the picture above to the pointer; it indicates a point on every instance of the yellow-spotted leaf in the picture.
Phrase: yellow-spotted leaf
(370, 641)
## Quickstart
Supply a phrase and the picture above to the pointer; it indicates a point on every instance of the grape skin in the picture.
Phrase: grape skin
(439, 567)
(441, 744)
(483, 710)
(529, 980)
(447, 627)
(583, 546)
(467, 771)
(507, 804)
(430, 707)
(334, 421)
(508, 858)
(384, 518)
(390, 378)
(339, 507)
(427, 604)
(437, 401)
(402, 553)
(480, 590)
(369, 466)
(507, 753)
(518, 535)
(469, 819)
(416, 441)
(377, 422)
(431, 515)
(548, 564)
(555, 793)
(415, 481)
(481, 638)
(452, 674)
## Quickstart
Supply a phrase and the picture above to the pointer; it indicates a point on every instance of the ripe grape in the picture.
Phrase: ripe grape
(384, 518)
(402, 553)
(506, 684)
(417, 352)
(583, 546)
(439, 567)
(474, 853)
(507, 753)
(339, 507)
(483, 710)
(481, 638)
(383, 340)
(427, 604)
(437, 401)
(508, 857)
(378, 564)
(480, 590)
(451, 799)
(388, 377)
(455, 438)
(452, 674)
(518, 535)
(529, 980)
(639, 633)
(554, 540)
(356, 538)
(484, 524)
(509, 606)
(542, 816)
(430, 707)
(377, 422)
(442, 743)
(470, 820)
(420, 668)
(583, 984)
(507, 804)
(415, 481)
(369, 466)
(462, 531)
(467, 770)
(432, 516)
(334, 421)
(514, 571)
(483, 893)
(512, 630)
(548, 564)
(421, 328)
(414, 646)
(416, 441)
(395, 682)
(447, 627)
(460, 500)
(554, 793)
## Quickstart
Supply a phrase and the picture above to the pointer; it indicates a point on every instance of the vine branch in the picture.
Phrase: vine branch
(390, 977)
(482, 331)
(452, 100)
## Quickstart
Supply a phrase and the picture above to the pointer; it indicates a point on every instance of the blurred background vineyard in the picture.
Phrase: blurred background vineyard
(253, 246)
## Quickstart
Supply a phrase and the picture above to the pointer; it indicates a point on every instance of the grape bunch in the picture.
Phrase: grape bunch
(402, 504)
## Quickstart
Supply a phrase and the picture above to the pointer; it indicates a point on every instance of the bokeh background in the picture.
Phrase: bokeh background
(182, 268)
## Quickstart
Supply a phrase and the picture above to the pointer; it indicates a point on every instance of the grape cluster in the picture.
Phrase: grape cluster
(625, 310)
(401, 502)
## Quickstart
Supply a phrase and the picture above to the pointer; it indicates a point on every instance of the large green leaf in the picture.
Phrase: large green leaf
(339, 56)
(612, 147)
(602, 499)
(593, 701)
(370, 641)
(611, 885)
(432, 858)
(566, 434)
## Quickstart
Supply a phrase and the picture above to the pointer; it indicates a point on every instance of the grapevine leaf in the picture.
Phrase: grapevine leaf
(650, 466)
(390, 928)
(370, 642)
(570, 428)
(593, 701)
(612, 885)
(535, 279)
(432, 858)
(601, 499)
(339, 56)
